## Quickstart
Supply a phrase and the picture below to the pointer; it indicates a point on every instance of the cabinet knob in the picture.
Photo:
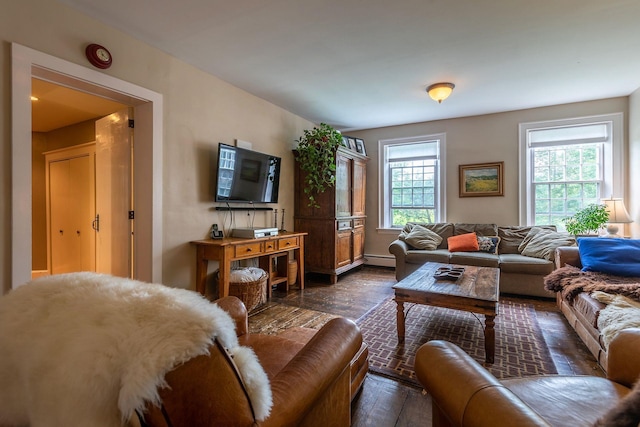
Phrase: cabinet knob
(61, 231)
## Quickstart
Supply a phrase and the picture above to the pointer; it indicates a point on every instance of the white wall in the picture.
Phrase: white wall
(199, 111)
(479, 139)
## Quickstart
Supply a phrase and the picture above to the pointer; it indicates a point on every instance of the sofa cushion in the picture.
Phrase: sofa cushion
(420, 257)
(442, 229)
(516, 263)
(588, 307)
(479, 229)
(541, 243)
(512, 236)
(421, 238)
(612, 256)
(480, 259)
(488, 244)
(463, 243)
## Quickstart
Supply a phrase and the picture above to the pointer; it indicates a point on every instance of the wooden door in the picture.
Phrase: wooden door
(343, 186)
(343, 248)
(359, 186)
(358, 240)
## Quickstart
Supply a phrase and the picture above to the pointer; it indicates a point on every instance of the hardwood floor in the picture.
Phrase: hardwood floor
(385, 402)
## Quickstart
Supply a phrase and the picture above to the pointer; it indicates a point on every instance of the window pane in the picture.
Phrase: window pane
(411, 182)
(563, 187)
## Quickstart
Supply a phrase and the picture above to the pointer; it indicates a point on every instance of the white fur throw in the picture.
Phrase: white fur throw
(620, 313)
(86, 349)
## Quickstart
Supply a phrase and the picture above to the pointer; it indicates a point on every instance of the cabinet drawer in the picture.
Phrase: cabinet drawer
(270, 245)
(344, 224)
(358, 223)
(249, 249)
(290, 242)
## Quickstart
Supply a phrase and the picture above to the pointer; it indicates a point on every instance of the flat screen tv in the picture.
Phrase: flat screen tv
(246, 176)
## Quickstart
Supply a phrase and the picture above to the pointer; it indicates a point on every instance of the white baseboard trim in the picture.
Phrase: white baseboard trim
(380, 260)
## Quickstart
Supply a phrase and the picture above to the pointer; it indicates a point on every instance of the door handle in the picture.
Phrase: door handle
(95, 224)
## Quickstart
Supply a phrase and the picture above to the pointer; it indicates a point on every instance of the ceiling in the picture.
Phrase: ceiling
(360, 64)
(59, 106)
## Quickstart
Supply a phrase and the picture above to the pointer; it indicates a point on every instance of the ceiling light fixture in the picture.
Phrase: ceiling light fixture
(440, 91)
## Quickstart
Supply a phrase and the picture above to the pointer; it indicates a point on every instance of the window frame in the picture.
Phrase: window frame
(384, 182)
(613, 167)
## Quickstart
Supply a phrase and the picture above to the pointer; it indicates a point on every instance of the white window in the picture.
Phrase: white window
(411, 186)
(568, 165)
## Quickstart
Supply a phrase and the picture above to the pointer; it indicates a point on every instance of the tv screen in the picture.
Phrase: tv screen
(246, 176)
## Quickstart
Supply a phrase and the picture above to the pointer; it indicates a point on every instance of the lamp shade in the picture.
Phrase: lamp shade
(617, 215)
(617, 211)
(440, 91)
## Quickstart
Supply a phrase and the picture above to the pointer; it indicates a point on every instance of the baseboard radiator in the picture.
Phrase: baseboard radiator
(380, 260)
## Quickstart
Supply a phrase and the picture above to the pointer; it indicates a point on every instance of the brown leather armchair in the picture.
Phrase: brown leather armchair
(313, 376)
(466, 394)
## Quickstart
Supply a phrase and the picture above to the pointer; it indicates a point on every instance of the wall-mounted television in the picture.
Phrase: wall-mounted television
(246, 176)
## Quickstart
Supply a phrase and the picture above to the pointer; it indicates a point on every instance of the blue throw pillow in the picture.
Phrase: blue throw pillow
(620, 257)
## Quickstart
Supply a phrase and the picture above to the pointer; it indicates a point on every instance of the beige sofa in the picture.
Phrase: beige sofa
(519, 274)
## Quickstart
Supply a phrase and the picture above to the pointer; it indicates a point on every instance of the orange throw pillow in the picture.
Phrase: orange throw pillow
(463, 243)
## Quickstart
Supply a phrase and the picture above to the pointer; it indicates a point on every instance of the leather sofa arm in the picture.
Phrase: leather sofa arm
(623, 363)
(309, 374)
(238, 312)
(465, 393)
(568, 255)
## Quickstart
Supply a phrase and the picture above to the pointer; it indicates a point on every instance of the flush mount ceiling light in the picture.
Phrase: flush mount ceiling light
(440, 91)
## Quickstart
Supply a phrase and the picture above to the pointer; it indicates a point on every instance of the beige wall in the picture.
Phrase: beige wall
(199, 111)
(479, 139)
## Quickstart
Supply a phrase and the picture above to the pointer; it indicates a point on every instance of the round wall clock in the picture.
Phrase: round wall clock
(98, 56)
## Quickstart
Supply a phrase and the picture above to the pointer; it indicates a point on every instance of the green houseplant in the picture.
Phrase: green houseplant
(587, 220)
(316, 155)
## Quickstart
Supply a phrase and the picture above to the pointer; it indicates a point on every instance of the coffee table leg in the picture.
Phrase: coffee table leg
(400, 320)
(489, 338)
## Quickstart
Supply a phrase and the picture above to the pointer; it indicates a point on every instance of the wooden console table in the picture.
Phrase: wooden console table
(233, 249)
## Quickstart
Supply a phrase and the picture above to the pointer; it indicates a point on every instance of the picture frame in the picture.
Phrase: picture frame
(481, 179)
(360, 148)
(352, 143)
(345, 142)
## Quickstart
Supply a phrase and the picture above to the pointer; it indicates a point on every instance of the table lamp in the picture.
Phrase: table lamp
(617, 215)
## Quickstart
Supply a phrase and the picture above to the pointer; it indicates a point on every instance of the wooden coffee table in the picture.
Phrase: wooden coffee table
(476, 291)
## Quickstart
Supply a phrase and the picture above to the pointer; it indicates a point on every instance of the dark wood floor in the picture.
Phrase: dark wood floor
(385, 402)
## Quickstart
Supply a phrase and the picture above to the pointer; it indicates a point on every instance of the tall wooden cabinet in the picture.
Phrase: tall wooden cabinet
(335, 241)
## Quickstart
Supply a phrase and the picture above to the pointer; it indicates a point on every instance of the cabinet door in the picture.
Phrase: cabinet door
(358, 242)
(343, 186)
(343, 248)
(359, 186)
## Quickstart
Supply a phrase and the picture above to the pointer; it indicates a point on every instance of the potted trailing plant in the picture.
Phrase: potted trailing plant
(316, 155)
(587, 220)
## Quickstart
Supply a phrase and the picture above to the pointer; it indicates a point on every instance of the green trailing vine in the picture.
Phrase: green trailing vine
(587, 220)
(316, 155)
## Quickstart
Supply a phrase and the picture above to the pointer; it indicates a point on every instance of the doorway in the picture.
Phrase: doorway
(147, 105)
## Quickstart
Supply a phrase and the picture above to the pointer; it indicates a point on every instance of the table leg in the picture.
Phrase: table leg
(489, 338)
(400, 320)
(201, 270)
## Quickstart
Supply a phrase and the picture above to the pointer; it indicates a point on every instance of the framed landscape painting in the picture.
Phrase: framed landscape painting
(482, 179)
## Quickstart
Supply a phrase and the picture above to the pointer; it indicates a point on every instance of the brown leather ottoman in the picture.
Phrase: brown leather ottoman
(359, 364)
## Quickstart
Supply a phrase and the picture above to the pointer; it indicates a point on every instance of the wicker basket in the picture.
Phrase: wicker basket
(253, 294)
